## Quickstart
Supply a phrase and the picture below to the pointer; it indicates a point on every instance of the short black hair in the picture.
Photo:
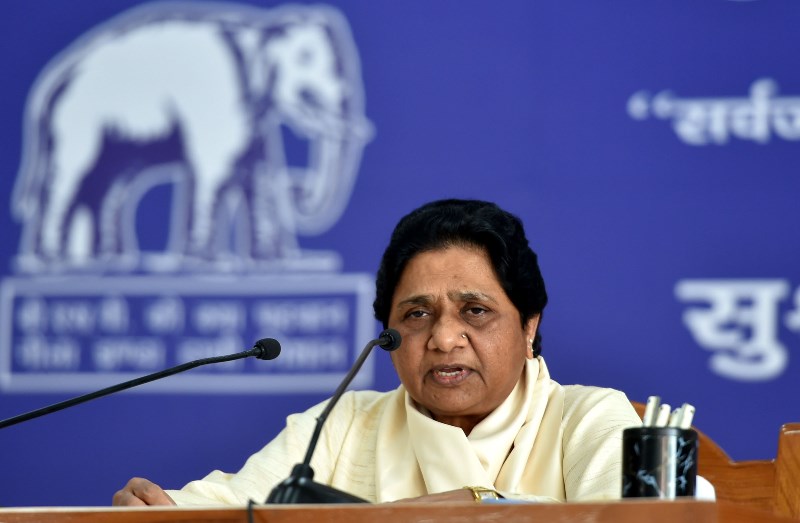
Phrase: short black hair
(445, 223)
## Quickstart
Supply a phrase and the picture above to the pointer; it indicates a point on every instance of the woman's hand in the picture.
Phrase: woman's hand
(453, 496)
(139, 492)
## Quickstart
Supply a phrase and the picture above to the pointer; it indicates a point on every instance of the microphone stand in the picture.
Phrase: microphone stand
(300, 487)
(265, 349)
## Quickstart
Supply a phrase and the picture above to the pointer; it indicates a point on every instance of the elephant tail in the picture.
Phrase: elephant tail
(32, 174)
(37, 140)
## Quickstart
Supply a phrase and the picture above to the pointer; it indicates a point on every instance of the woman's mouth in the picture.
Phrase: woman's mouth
(449, 376)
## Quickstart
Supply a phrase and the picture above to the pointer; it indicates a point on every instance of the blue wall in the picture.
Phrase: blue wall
(649, 147)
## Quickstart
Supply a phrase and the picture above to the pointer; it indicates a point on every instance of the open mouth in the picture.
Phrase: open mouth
(450, 375)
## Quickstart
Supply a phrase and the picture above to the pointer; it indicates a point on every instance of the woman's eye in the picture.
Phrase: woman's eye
(416, 314)
(476, 311)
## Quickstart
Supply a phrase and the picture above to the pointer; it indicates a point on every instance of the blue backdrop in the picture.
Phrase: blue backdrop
(182, 179)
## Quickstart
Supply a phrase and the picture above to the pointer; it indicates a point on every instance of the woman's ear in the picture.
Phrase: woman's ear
(530, 335)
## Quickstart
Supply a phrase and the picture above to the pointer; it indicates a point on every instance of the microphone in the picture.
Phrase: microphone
(265, 349)
(300, 486)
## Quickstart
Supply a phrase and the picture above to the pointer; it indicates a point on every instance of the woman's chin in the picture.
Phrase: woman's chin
(453, 403)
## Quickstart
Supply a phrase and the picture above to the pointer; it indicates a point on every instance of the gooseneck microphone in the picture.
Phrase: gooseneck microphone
(265, 349)
(300, 486)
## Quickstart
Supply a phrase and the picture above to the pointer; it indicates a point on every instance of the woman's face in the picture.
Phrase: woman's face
(463, 347)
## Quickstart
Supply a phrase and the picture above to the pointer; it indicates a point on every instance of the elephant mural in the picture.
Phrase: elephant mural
(200, 96)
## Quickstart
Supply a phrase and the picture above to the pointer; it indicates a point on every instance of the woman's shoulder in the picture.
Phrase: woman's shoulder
(355, 401)
(356, 410)
(573, 393)
(366, 400)
(581, 400)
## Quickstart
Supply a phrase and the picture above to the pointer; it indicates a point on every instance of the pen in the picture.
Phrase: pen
(650, 410)
(687, 411)
(663, 415)
(675, 417)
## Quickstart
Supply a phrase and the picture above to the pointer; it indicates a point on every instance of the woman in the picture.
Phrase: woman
(477, 414)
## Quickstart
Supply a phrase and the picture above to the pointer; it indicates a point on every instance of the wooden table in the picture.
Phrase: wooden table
(628, 511)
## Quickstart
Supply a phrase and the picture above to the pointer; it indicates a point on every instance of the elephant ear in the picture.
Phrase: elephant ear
(249, 42)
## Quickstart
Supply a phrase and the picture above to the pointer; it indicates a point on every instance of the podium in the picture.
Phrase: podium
(626, 511)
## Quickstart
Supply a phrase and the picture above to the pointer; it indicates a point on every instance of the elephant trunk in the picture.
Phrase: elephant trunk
(323, 193)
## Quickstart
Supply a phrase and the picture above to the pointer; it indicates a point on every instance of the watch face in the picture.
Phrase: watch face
(486, 494)
(481, 493)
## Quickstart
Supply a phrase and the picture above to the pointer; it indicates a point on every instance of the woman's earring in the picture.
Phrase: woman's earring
(536, 345)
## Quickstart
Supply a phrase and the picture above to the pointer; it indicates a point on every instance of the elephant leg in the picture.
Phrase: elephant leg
(55, 213)
(272, 215)
(73, 157)
(203, 210)
(212, 159)
(109, 223)
(80, 235)
(91, 229)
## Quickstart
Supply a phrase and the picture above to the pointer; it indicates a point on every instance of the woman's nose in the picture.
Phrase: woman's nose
(446, 335)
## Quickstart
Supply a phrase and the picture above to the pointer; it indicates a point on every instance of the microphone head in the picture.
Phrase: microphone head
(390, 340)
(270, 348)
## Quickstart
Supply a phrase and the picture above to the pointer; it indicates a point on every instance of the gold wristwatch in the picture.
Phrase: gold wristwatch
(480, 494)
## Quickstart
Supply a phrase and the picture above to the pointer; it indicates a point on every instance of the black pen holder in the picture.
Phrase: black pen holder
(659, 462)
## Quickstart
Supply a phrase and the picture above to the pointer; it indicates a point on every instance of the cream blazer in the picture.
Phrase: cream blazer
(545, 442)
